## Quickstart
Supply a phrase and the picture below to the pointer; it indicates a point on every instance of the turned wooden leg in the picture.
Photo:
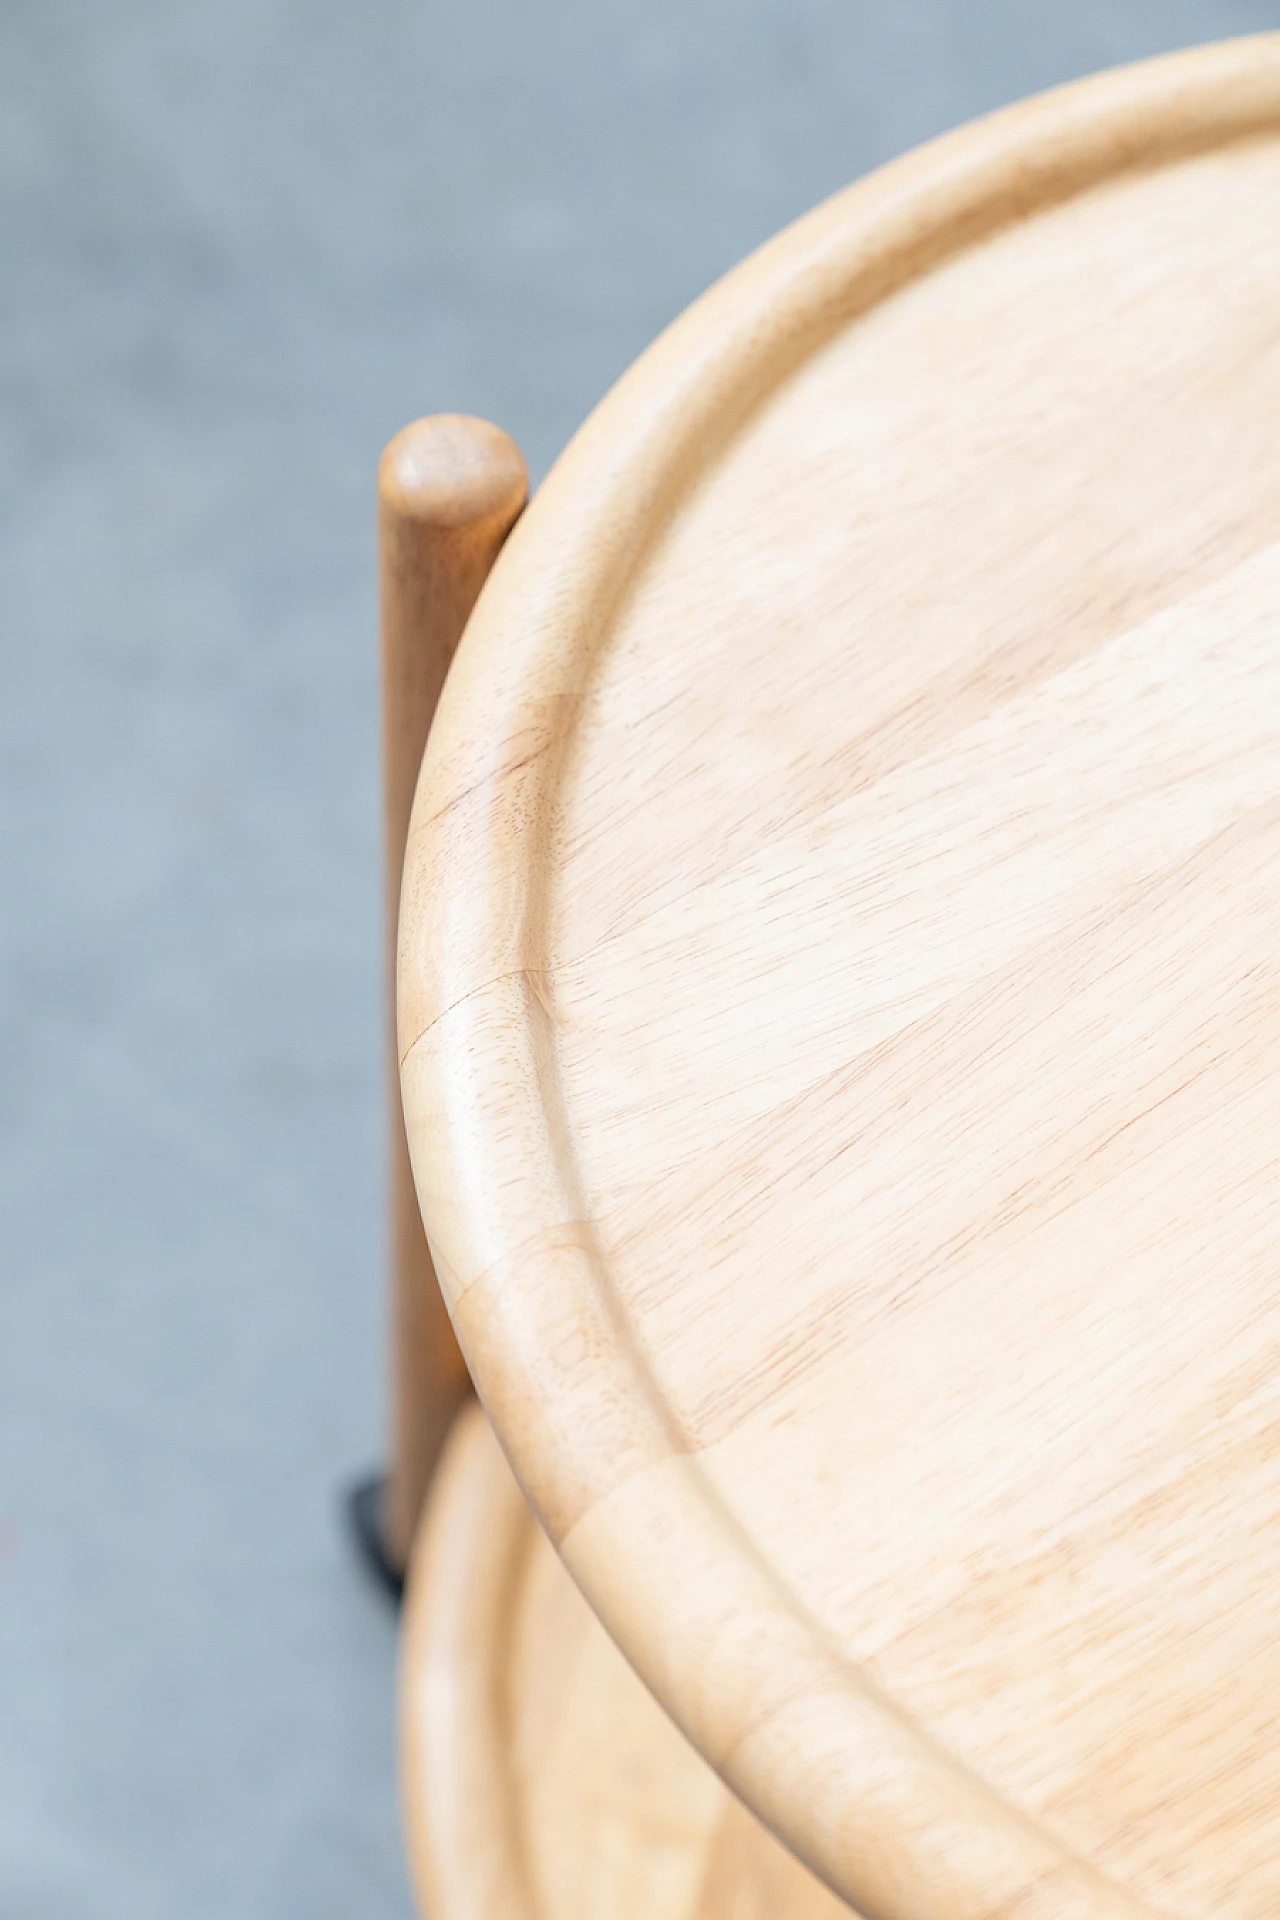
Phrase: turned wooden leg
(449, 490)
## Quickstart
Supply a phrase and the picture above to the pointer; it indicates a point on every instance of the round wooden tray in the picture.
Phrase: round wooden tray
(541, 1781)
(838, 987)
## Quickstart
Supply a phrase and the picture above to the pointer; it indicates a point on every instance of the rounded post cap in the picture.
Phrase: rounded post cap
(452, 470)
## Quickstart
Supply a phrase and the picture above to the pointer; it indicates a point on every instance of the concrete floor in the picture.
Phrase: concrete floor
(239, 245)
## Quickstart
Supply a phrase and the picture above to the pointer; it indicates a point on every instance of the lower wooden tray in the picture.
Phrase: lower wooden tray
(541, 1780)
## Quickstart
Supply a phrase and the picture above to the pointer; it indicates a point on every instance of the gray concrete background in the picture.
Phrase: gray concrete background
(239, 245)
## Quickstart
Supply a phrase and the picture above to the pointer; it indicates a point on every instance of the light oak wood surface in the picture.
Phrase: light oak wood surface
(449, 489)
(540, 1779)
(839, 976)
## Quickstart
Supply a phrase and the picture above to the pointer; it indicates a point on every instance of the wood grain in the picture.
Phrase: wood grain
(449, 489)
(838, 1012)
(540, 1778)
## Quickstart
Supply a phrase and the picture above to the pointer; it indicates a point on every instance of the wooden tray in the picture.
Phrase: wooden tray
(540, 1780)
(840, 964)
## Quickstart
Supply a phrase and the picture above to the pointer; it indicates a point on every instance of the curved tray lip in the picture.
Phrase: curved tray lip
(459, 1812)
(892, 1822)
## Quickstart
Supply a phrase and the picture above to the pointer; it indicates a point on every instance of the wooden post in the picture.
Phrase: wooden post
(449, 490)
